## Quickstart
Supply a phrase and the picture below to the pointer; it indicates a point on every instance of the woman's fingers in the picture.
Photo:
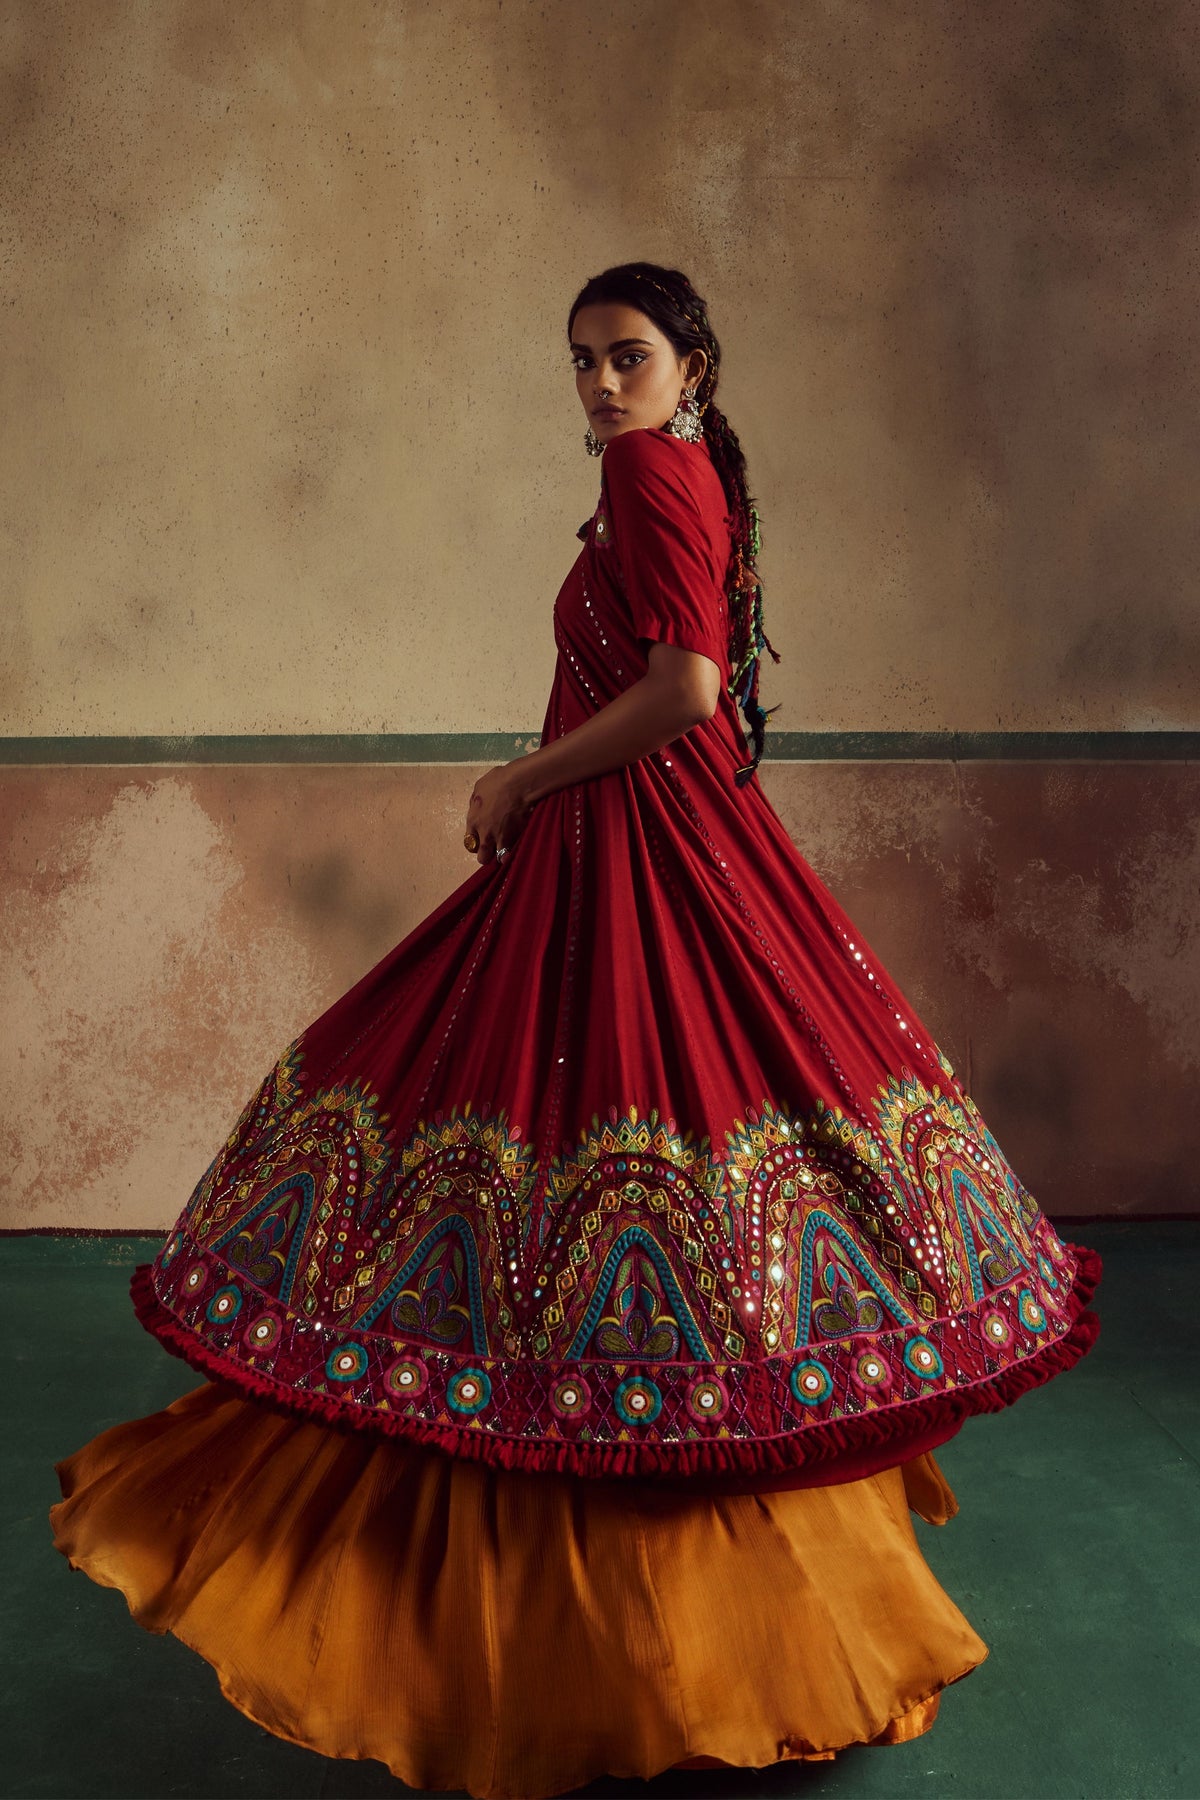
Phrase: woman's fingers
(474, 825)
(495, 830)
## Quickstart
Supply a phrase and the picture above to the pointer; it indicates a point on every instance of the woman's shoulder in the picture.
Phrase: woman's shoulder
(651, 447)
(652, 456)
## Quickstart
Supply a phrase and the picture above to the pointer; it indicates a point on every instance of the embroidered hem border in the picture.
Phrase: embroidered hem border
(869, 1440)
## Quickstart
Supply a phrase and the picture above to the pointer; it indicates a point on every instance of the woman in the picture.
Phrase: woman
(583, 1294)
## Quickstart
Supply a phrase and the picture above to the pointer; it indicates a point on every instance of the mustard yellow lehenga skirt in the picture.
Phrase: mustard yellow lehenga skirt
(509, 1633)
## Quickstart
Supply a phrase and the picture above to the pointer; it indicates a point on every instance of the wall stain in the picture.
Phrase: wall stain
(142, 1006)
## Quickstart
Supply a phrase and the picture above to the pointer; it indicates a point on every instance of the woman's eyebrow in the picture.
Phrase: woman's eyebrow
(617, 344)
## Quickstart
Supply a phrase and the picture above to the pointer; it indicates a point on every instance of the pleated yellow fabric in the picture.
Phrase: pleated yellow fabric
(510, 1633)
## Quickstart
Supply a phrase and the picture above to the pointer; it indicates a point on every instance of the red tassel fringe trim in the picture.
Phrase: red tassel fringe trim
(842, 1449)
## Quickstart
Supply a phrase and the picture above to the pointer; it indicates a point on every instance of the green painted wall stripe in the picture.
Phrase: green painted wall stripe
(490, 747)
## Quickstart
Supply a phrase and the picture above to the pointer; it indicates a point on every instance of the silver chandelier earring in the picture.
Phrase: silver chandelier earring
(685, 420)
(591, 442)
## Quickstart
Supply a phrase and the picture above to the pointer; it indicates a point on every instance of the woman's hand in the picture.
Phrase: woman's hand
(497, 810)
(680, 689)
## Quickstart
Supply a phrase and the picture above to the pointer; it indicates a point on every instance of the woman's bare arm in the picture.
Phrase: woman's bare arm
(680, 689)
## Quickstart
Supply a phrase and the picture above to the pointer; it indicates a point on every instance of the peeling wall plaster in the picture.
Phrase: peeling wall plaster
(166, 935)
(137, 999)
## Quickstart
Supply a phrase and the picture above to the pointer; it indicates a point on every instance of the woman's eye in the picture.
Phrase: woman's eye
(581, 361)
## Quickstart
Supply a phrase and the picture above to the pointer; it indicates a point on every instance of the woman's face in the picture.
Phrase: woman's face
(623, 361)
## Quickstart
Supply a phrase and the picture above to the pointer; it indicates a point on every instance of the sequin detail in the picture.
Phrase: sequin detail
(635, 1281)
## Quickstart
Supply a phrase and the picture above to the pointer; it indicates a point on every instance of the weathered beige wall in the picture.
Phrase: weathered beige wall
(170, 930)
(288, 432)
(289, 443)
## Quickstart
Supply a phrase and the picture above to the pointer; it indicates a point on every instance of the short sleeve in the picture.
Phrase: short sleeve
(664, 551)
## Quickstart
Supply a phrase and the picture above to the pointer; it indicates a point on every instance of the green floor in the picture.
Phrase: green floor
(1074, 1556)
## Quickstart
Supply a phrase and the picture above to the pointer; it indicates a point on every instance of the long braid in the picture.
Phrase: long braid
(668, 297)
(743, 589)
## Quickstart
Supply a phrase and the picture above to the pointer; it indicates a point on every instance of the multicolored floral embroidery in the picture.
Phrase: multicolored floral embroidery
(469, 1391)
(922, 1358)
(225, 1304)
(261, 1332)
(571, 1398)
(872, 1372)
(638, 1400)
(348, 1362)
(597, 528)
(814, 1269)
(406, 1379)
(708, 1400)
(811, 1382)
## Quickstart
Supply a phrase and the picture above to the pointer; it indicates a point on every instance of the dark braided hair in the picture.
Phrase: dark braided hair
(668, 298)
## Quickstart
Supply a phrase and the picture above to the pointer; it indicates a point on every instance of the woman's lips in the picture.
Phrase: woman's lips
(610, 412)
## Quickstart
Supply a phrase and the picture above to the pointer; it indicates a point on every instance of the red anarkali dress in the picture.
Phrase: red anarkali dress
(582, 1295)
